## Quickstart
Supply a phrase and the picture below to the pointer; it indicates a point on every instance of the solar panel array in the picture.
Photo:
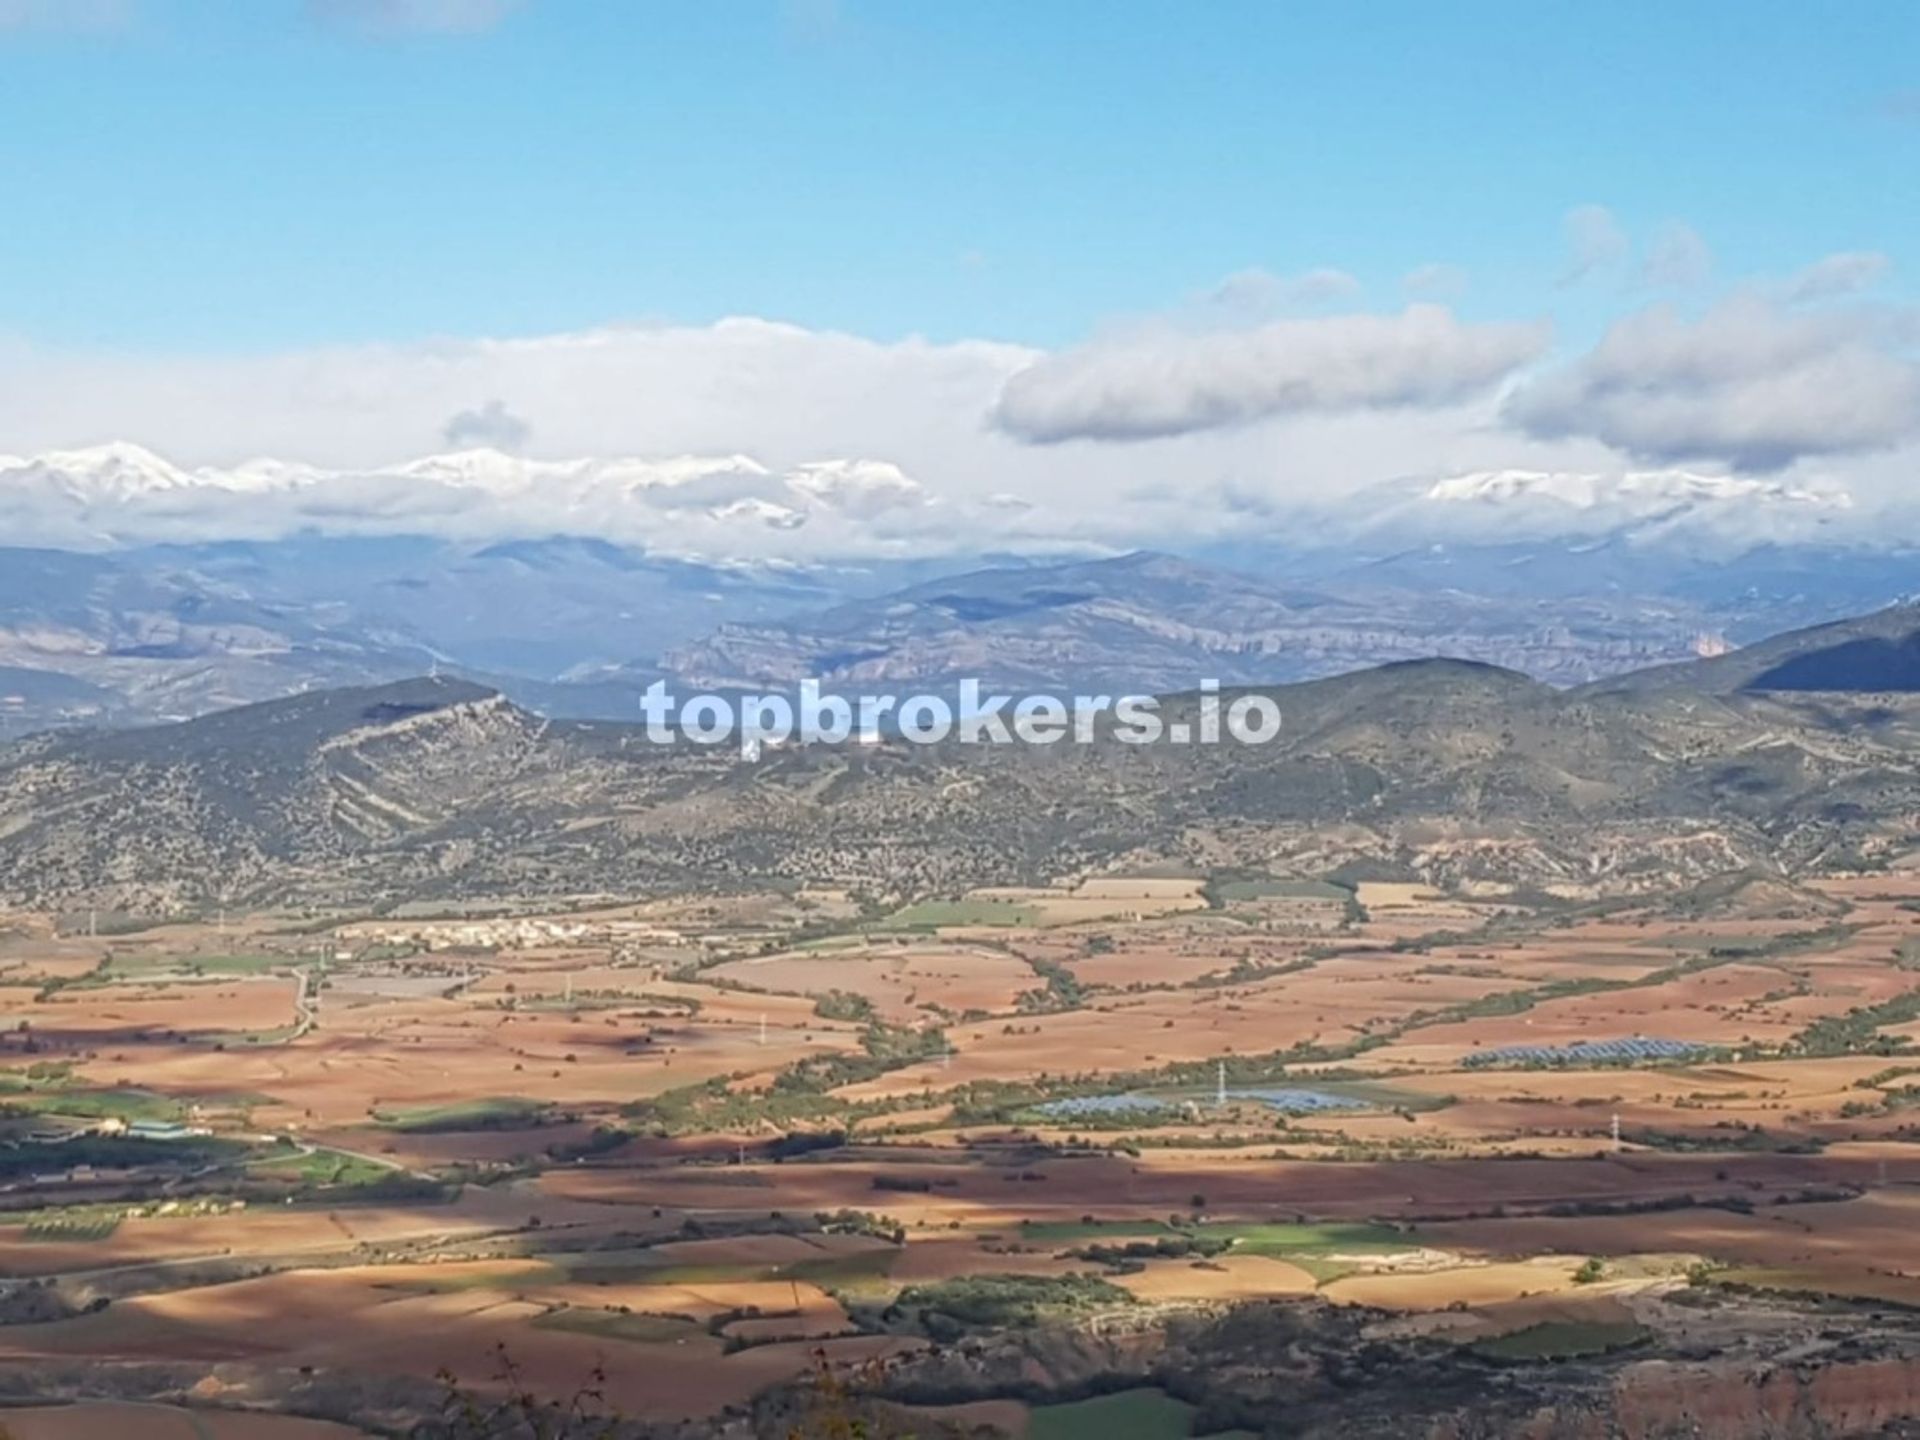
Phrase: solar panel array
(1589, 1052)
(1295, 1101)
(1096, 1105)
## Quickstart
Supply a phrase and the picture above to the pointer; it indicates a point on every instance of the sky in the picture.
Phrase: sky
(1028, 255)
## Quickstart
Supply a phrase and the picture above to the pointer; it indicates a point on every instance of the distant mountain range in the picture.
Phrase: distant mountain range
(1649, 508)
(1567, 578)
(168, 632)
(1154, 623)
(122, 494)
(1878, 653)
(1458, 773)
(578, 628)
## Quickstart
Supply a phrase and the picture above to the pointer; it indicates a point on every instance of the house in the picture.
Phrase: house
(157, 1130)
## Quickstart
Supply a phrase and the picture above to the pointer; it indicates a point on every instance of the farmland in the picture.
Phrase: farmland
(705, 1144)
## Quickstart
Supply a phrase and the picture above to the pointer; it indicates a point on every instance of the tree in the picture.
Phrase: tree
(518, 1413)
(827, 1408)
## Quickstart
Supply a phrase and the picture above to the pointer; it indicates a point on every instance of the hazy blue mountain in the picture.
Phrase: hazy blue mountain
(165, 632)
(1151, 622)
(1869, 654)
(576, 626)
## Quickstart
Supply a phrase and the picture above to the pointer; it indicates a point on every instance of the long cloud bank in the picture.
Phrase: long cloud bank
(1748, 383)
(1169, 383)
(760, 440)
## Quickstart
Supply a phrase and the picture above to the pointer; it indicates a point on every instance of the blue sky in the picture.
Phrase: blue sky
(1053, 273)
(243, 174)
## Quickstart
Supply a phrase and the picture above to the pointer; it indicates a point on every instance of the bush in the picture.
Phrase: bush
(999, 1301)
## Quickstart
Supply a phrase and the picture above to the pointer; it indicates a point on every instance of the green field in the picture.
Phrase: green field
(833, 942)
(1901, 1291)
(1127, 1415)
(41, 1075)
(863, 1274)
(1563, 1340)
(83, 1104)
(321, 1167)
(930, 914)
(584, 1004)
(498, 1113)
(114, 1152)
(1290, 1241)
(1307, 1246)
(78, 1224)
(1253, 1238)
(234, 964)
(162, 966)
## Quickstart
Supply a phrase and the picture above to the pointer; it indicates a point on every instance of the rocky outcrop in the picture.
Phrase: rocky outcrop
(1309, 1372)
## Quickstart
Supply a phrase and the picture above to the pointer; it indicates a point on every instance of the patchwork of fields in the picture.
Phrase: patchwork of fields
(710, 1148)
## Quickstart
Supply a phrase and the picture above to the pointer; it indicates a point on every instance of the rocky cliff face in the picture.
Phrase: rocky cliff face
(1312, 1372)
(1663, 1400)
(1303, 1371)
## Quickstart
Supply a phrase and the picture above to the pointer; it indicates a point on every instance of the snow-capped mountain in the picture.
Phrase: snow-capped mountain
(209, 585)
(117, 472)
(122, 494)
(722, 507)
(1647, 492)
(1716, 512)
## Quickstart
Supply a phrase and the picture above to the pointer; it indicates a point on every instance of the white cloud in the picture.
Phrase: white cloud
(782, 393)
(125, 493)
(866, 488)
(1163, 382)
(1678, 259)
(805, 445)
(1435, 282)
(1258, 291)
(492, 426)
(1747, 383)
(1844, 274)
(753, 440)
(1594, 242)
(801, 443)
